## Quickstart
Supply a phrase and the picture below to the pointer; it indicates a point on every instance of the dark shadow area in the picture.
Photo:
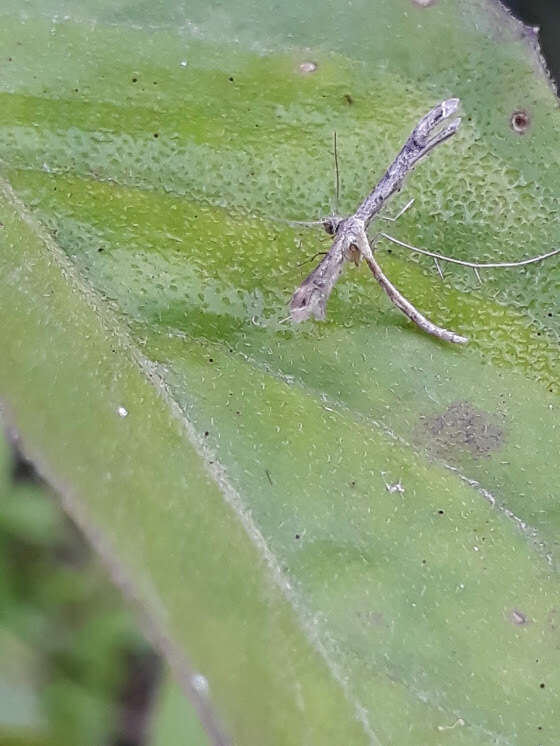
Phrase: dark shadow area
(546, 15)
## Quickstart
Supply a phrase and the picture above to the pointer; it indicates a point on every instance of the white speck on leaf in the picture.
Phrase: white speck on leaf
(200, 683)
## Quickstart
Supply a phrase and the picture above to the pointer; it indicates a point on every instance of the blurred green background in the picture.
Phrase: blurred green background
(75, 667)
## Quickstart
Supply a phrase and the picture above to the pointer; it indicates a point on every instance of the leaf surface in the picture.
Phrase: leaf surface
(348, 528)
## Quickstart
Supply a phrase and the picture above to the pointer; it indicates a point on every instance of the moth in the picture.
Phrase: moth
(351, 243)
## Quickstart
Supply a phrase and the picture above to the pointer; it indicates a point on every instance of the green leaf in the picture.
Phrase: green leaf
(348, 529)
(175, 721)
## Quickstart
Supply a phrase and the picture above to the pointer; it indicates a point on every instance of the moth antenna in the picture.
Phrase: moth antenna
(337, 174)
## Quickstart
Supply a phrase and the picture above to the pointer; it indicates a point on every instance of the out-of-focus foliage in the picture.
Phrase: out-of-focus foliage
(65, 638)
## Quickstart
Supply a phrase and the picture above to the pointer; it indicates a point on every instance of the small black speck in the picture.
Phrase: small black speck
(348, 98)
(539, 727)
(156, 134)
(440, 512)
(210, 359)
(423, 562)
(237, 411)
(76, 90)
(155, 82)
(100, 249)
(353, 483)
(206, 433)
(549, 313)
(541, 686)
(230, 78)
(297, 536)
(134, 80)
(10, 59)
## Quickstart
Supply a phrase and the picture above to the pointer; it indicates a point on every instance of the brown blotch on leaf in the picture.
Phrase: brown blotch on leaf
(520, 121)
(461, 429)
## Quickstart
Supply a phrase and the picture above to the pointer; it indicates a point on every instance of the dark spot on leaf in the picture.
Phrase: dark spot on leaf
(440, 512)
(210, 359)
(297, 536)
(541, 685)
(348, 98)
(461, 430)
(230, 78)
(156, 134)
(520, 121)
(372, 618)
(206, 433)
(134, 80)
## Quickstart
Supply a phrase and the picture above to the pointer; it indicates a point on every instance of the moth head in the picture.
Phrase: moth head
(307, 301)
(331, 223)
